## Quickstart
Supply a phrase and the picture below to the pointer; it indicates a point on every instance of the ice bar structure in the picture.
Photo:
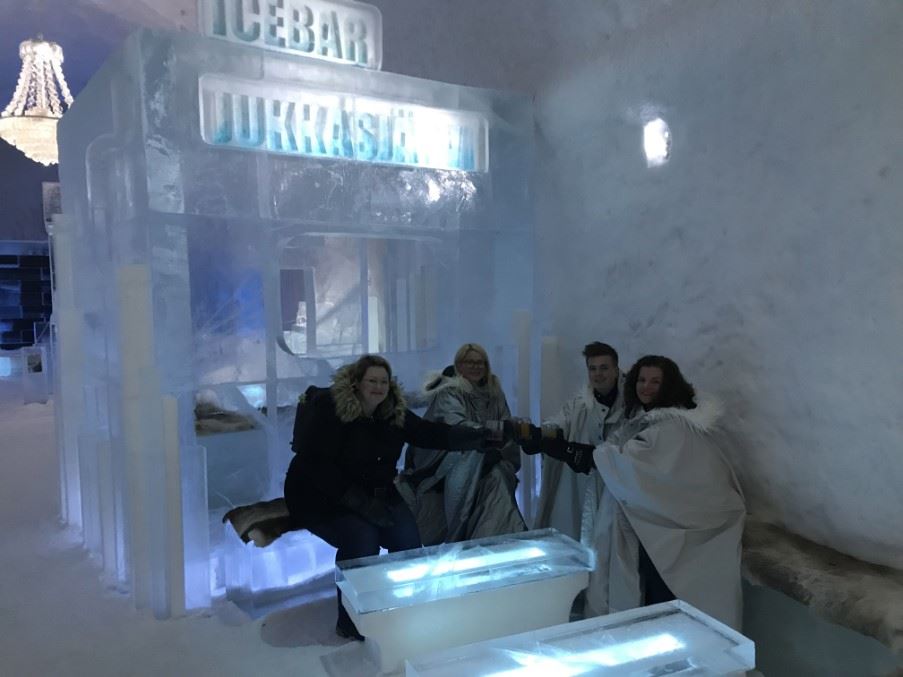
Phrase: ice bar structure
(236, 223)
(414, 602)
(663, 639)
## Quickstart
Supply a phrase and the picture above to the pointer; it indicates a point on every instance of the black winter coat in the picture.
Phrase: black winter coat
(337, 447)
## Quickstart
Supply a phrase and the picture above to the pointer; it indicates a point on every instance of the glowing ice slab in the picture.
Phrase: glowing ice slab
(670, 638)
(414, 602)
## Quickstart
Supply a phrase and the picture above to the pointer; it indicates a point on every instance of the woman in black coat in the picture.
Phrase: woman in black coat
(347, 440)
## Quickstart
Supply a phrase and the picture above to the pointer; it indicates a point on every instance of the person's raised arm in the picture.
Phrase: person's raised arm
(439, 435)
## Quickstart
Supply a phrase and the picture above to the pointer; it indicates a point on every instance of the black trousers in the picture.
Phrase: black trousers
(655, 590)
(354, 537)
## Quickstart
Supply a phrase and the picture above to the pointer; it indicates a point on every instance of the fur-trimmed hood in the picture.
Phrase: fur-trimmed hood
(704, 418)
(437, 382)
(348, 407)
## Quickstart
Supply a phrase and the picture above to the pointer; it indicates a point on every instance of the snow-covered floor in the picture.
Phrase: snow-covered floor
(57, 618)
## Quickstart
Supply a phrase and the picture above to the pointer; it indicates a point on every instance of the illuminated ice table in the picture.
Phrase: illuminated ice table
(414, 602)
(673, 638)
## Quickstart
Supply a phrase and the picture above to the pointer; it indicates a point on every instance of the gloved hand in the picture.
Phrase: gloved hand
(582, 458)
(578, 456)
(530, 437)
(372, 509)
(531, 447)
(527, 431)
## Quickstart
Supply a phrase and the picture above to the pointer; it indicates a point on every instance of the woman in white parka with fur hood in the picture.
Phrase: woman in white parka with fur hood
(678, 492)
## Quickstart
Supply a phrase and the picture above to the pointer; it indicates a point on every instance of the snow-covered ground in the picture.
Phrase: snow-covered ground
(56, 618)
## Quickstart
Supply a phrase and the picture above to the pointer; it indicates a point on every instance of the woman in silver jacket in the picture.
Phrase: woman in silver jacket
(461, 496)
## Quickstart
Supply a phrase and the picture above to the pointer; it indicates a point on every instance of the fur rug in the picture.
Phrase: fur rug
(210, 419)
(261, 522)
(864, 597)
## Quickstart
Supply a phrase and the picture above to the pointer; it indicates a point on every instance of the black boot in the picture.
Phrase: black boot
(348, 631)
(344, 626)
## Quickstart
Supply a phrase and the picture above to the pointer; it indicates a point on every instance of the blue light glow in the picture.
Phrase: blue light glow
(442, 567)
(567, 665)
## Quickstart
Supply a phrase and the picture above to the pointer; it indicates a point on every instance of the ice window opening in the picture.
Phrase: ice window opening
(657, 142)
(298, 304)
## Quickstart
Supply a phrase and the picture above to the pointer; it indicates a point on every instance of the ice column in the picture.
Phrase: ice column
(68, 373)
(153, 483)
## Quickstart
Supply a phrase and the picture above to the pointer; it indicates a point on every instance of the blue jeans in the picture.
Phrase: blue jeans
(354, 537)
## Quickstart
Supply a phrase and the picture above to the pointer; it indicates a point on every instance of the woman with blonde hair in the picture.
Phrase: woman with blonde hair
(461, 496)
(347, 440)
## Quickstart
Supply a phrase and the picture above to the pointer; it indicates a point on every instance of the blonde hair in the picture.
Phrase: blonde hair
(481, 351)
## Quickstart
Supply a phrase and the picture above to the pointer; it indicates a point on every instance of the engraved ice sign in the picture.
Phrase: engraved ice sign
(341, 31)
(288, 119)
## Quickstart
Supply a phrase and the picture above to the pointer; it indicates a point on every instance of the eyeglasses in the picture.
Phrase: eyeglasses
(474, 363)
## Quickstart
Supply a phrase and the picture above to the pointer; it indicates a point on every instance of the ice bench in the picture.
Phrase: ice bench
(414, 602)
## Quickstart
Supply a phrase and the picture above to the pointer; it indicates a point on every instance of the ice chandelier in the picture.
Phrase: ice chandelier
(29, 121)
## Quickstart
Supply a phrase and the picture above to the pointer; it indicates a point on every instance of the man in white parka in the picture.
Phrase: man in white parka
(588, 418)
(676, 489)
(578, 504)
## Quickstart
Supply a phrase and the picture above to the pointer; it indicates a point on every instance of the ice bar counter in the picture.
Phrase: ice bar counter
(673, 638)
(238, 222)
(418, 601)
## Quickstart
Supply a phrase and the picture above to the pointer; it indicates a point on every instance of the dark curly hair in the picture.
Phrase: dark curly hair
(676, 391)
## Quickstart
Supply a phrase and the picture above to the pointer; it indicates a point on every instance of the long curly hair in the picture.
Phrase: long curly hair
(676, 391)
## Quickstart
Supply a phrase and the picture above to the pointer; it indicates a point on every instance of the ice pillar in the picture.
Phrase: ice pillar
(69, 364)
(154, 484)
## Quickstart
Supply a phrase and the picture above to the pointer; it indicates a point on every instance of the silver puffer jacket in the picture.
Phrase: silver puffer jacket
(458, 496)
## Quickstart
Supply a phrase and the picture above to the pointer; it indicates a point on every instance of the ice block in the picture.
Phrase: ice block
(417, 601)
(669, 638)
